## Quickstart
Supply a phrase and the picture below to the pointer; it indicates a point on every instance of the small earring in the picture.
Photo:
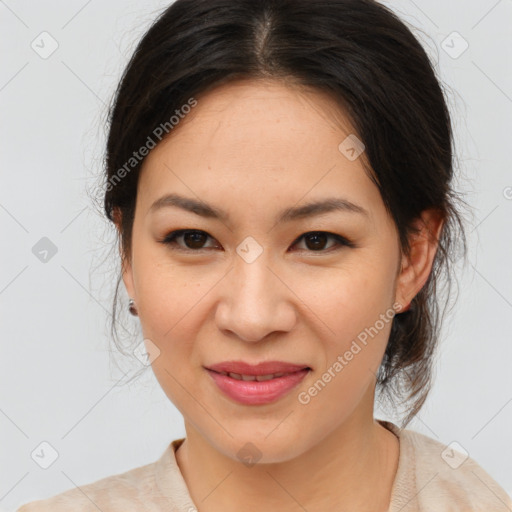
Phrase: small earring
(131, 307)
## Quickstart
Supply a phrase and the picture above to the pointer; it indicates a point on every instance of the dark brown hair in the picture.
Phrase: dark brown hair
(363, 56)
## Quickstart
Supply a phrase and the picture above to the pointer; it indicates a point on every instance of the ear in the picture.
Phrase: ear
(417, 265)
(126, 267)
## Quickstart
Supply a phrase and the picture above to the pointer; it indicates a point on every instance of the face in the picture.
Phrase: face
(315, 288)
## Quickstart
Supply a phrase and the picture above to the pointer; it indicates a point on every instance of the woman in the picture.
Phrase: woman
(279, 172)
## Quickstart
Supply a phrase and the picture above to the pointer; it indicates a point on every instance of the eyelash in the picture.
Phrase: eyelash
(170, 240)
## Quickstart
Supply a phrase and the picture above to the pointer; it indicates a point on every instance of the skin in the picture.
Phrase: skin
(254, 148)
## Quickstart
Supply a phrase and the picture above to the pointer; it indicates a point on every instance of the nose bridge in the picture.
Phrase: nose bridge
(251, 272)
(252, 280)
(255, 302)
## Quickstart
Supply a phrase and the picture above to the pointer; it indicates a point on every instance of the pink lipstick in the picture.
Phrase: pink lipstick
(258, 384)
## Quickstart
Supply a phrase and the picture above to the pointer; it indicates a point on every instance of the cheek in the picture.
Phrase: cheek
(172, 311)
(169, 293)
(355, 302)
(351, 297)
(357, 308)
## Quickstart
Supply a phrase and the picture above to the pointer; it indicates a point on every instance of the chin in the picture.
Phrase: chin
(261, 448)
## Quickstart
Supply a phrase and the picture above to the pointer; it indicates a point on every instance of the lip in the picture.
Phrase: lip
(263, 368)
(257, 392)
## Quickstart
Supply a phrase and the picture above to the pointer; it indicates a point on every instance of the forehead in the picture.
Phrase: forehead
(262, 141)
(243, 108)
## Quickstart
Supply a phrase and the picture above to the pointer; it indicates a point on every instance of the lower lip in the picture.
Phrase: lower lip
(257, 393)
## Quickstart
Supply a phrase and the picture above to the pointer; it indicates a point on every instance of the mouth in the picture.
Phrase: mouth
(259, 378)
(257, 384)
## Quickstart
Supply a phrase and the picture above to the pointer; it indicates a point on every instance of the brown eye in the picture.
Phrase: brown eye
(193, 240)
(316, 241)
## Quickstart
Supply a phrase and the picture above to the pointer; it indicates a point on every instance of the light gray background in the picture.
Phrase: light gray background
(57, 382)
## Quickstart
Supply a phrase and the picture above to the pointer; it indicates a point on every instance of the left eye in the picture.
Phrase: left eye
(194, 240)
(316, 240)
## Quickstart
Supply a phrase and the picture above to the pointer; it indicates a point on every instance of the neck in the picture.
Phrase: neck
(337, 472)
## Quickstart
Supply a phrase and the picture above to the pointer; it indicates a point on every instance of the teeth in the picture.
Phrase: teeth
(259, 378)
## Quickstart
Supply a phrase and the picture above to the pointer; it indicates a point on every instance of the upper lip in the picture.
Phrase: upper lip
(263, 368)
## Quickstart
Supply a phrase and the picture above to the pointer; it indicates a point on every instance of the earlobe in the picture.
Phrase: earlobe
(417, 264)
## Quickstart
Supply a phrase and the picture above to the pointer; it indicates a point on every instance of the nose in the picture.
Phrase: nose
(254, 301)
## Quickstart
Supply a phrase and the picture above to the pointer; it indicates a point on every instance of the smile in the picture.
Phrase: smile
(257, 389)
(259, 378)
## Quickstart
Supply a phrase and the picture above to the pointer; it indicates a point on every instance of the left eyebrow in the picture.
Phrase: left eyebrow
(287, 215)
(328, 205)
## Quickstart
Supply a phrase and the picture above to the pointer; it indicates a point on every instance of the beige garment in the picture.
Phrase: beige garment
(424, 482)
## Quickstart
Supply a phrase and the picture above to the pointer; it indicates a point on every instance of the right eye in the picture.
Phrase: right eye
(192, 238)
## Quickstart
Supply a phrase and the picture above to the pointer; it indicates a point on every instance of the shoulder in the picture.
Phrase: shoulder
(133, 490)
(433, 475)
